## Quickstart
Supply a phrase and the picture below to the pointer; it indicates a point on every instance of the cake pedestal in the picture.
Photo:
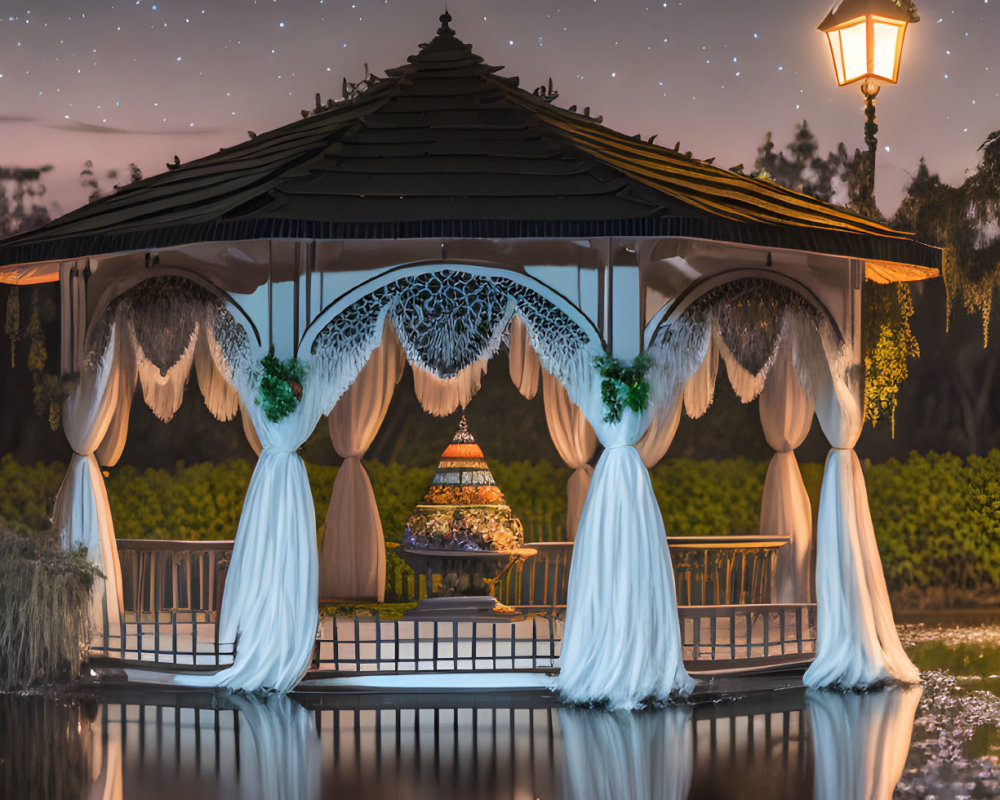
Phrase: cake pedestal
(464, 567)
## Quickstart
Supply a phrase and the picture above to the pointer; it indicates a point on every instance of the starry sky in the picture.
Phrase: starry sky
(144, 80)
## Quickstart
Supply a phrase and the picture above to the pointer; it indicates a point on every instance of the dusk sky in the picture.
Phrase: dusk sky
(143, 80)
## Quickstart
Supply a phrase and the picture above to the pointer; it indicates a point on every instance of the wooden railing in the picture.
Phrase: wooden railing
(160, 575)
(168, 575)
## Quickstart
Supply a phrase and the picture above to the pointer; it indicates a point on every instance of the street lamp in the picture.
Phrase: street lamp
(866, 42)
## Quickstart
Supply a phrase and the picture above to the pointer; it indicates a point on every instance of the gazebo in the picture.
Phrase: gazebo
(433, 216)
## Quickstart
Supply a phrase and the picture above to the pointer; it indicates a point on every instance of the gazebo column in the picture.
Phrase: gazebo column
(352, 561)
(856, 640)
(786, 412)
(269, 607)
(575, 441)
(622, 640)
(82, 513)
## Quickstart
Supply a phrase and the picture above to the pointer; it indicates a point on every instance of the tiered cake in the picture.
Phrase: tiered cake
(463, 509)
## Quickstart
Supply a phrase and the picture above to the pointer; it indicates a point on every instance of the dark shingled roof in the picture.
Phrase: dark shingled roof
(445, 147)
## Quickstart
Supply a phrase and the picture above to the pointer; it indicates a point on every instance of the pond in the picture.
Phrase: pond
(940, 740)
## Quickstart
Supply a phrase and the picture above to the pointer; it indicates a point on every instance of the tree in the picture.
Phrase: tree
(965, 221)
(21, 191)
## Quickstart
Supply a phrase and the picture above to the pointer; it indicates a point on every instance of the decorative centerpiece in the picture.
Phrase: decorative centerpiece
(464, 508)
(464, 532)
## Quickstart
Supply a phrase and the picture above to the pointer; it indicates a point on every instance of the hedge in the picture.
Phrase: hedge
(937, 516)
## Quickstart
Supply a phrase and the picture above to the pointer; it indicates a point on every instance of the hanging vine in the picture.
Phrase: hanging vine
(888, 344)
(965, 222)
(48, 388)
(12, 322)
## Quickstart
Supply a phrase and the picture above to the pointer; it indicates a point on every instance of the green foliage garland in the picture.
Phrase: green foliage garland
(888, 344)
(280, 386)
(623, 385)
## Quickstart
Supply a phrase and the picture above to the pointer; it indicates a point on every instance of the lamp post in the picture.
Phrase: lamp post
(866, 42)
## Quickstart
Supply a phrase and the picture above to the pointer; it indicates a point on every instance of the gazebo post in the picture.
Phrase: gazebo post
(857, 644)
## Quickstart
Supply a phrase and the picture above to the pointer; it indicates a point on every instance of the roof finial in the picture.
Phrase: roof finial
(445, 18)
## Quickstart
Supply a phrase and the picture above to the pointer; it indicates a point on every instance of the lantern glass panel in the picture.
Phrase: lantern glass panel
(886, 40)
(838, 55)
(854, 47)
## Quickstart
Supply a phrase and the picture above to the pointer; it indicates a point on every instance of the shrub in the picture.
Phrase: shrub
(44, 600)
(937, 516)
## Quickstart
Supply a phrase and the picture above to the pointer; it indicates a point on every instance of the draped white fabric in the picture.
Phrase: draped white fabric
(856, 640)
(82, 514)
(163, 389)
(699, 389)
(786, 412)
(113, 443)
(523, 362)
(575, 442)
(269, 607)
(860, 741)
(248, 430)
(352, 561)
(442, 396)
(221, 398)
(613, 755)
(663, 424)
(622, 641)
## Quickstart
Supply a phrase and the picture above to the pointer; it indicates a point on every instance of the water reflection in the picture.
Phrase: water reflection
(281, 755)
(860, 741)
(105, 756)
(784, 744)
(42, 748)
(610, 755)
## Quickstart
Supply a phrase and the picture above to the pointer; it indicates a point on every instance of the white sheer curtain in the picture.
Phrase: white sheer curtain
(113, 443)
(82, 514)
(221, 398)
(856, 640)
(352, 562)
(523, 361)
(622, 641)
(269, 607)
(442, 396)
(575, 441)
(860, 741)
(613, 755)
(786, 412)
(163, 390)
(663, 424)
(248, 430)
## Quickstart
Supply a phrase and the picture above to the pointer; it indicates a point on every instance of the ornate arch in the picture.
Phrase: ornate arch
(448, 315)
(698, 289)
(123, 288)
(743, 317)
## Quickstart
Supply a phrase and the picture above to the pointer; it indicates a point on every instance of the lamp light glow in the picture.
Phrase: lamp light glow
(866, 38)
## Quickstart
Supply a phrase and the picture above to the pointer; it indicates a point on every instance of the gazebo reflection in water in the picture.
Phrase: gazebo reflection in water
(784, 745)
(430, 218)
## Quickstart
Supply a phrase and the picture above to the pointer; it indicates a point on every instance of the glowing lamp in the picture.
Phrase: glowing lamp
(866, 39)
